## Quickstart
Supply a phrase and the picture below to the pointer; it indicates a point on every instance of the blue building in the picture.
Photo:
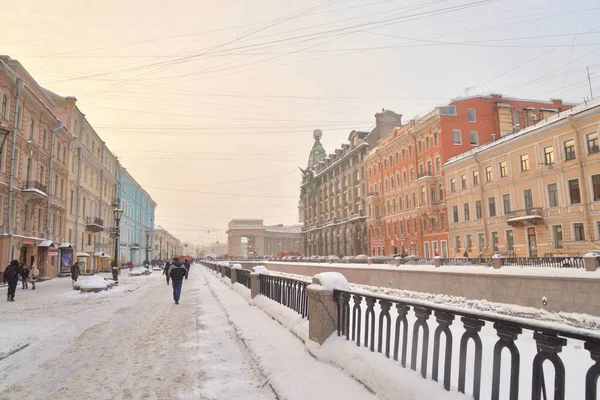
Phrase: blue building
(137, 222)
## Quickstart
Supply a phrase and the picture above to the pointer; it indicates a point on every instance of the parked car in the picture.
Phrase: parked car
(332, 259)
(590, 253)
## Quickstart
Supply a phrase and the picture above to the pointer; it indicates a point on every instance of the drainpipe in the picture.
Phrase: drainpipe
(12, 170)
(78, 198)
(583, 183)
(50, 170)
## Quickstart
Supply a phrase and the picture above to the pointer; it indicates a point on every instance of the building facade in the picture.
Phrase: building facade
(166, 246)
(406, 203)
(33, 172)
(538, 193)
(333, 192)
(251, 238)
(137, 222)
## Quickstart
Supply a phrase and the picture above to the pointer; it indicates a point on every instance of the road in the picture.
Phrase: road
(133, 343)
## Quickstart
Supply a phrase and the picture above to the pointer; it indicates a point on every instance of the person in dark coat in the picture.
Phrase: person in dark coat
(177, 272)
(166, 271)
(187, 265)
(11, 276)
(25, 277)
(75, 271)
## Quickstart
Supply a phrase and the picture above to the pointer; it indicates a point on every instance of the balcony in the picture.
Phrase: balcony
(522, 217)
(425, 174)
(94, 224)
(33, 190)
(134, 246)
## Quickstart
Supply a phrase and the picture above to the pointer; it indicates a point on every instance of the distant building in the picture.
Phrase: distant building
(533, 193)
(250, 237)
(333, 192)
(166, 246)
(406, 203)
(216, 248)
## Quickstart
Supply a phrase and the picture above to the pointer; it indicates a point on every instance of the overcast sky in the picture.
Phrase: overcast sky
(211, 104)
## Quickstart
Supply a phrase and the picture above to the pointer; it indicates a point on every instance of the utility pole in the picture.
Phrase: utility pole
(590, 82)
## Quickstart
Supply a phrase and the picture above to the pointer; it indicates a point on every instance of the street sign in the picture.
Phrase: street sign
(52, 252)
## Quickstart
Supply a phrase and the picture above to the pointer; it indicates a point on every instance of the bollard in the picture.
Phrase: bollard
(233, 275)
(323, 312)
(497, 262)
(369, 261)
(254, 284)
(591, 263)
(437, 261)
(223, 271)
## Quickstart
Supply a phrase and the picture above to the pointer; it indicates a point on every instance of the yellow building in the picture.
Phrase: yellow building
(532, 193)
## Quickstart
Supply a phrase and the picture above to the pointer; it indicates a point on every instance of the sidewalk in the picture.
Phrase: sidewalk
(292, 372)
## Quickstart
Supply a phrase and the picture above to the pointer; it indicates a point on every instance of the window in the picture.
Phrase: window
(429, 168)
(474, 139)
(506, 203)
(424, 225)
(415, 225)
(442, 222)
(492, 206)
(478, 209)
(510, 241)
(481, 241)
(557, 236)
(40, 221)
(89, 241)
(503, 169)
(463, 181)
(592, 143)
(42, 174)
(433, 191)
(549, 155)
(403, 154)
(525, 162)
(441, 190)
(455, 214)
(570, 149)
(432, 224)
(468, 243)
(452, 185)
(427, 143)
(472, 116)
(466, 211)
(412, 174)
(495, 241)
(488, 173)
(419, 147)
(596, 187)
(457, 243)
(409, 151)
(385, 164)
(578, 232)
(438, 164)
(4, 111)
(72, 201)
(528, 197)
(476, 177)
(435, 138)
(448, 110)
(456, 137)
(574, 191)
(516, 118)
(31, 127)
(553, 195)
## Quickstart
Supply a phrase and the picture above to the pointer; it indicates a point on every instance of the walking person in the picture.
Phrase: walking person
(25, 277)
(75, 272)
(166, 270)
(11, 276)
(177, 272)
(33, 275)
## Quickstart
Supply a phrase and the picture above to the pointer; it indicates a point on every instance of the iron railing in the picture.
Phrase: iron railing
(243, 277)
(370, 322)
(34, 185)
(94, 221)
(459, 261)
(286, 291)
(227, 271)
(546, 262)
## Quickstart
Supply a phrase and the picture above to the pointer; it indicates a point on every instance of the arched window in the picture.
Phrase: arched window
(441, 193)
(31, 127)
(4, 105)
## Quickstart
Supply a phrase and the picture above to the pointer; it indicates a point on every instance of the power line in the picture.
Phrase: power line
(222, 194)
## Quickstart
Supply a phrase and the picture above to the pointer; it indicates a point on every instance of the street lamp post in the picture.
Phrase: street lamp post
(148, 231)
(115, 267)
(160, 239)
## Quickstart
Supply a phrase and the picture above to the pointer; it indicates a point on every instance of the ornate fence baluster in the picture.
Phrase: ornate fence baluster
(370, 319)
(384, 314)
(356, 318)
(472, 329)
(444, 321)
(337, 296)
(507, 335)
(422, 314)
(548, 348)
(346, 314)
(591, 378)
(401, 318)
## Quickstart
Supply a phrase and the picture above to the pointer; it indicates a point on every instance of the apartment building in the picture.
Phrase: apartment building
(406, 204)
(166, 246)
(532, 193)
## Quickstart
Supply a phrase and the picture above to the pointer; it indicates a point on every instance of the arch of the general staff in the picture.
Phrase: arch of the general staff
(247, 236)
(347, 239)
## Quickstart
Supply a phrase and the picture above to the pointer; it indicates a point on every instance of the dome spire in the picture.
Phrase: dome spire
(317, 153)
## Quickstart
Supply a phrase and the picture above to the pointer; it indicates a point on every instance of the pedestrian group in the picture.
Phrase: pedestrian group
(16, 271)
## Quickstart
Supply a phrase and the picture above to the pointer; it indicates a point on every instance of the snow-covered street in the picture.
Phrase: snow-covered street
(134, 342)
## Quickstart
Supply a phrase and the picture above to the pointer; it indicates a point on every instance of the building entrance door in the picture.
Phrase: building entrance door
(532, 241)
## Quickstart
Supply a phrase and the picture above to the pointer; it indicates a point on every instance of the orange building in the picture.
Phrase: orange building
(406, 208)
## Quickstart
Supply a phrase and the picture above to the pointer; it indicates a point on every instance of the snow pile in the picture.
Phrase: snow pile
(237, 266)
(287, 317)
(137, 271)
(261, 269)
(332, 280)
(242, 291)
(92, 283)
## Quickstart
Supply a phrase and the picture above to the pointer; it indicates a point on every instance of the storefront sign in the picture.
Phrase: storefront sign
(52, 252)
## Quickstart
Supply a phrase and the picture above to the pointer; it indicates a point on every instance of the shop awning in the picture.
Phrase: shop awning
(46, 243)
(64, 245)
(105, 256)
(99, 254)
(81, 254)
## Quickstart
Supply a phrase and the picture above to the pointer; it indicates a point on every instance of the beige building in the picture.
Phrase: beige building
(532, 193)
(333, 192)
(216, 248)
(92, 190)
(166, 246)
(250, 237)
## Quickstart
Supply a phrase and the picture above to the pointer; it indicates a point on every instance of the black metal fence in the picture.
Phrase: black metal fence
(286, 291)
(388, 326)
(243, 277)
(459, 261)
(546, 262)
